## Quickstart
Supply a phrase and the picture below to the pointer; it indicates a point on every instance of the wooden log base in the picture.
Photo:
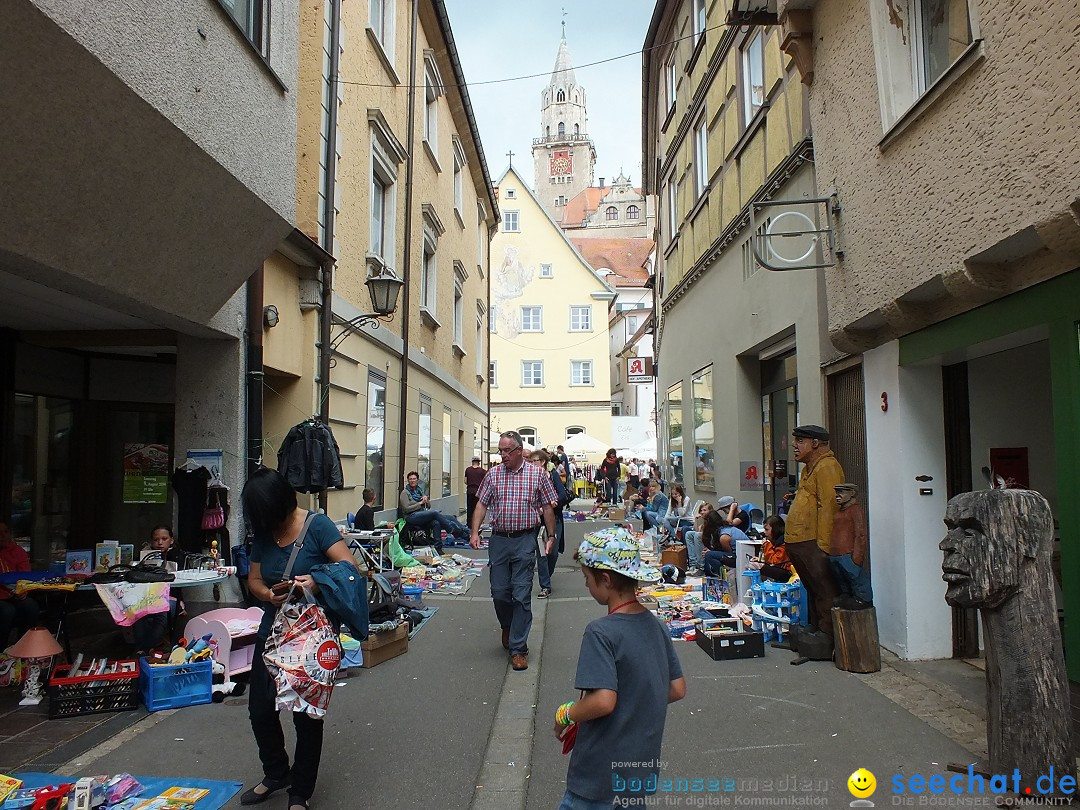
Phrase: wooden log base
(856, 640)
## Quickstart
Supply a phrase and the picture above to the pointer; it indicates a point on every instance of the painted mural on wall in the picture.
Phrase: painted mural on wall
(509, 283)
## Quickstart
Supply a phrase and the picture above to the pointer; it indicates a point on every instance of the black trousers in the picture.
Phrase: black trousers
(266, 724)
(813, 566)
(470, 505)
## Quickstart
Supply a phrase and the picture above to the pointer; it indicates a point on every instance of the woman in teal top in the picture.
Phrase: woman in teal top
(276, 522)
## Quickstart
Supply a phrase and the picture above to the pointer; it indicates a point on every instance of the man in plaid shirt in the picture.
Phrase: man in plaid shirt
(519, 496)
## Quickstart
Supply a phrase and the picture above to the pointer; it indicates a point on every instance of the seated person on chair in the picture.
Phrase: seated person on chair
(147, 632)
(773, 562)
(692, 537)
(655, 508)
(417, 514)
(19, 612)
(736, 515)
(365, 515)
(679, 517)
(720, 537)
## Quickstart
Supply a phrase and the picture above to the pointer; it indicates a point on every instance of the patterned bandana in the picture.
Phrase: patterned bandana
(614, 549)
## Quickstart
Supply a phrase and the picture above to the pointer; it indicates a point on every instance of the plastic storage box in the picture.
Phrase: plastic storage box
(172, 686)
(91, 694)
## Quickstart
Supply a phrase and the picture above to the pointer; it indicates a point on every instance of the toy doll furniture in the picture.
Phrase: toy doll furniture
(232, 632)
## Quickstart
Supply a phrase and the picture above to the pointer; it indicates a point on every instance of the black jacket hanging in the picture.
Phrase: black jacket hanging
(309, 458)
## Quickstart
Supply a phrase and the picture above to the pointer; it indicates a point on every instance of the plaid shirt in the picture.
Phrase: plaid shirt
(515, 499)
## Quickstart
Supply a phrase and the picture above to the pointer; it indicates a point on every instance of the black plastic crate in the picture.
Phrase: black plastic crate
(92, 694)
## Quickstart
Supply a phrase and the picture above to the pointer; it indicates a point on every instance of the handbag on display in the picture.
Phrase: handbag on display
(214, 515)
(303, 652)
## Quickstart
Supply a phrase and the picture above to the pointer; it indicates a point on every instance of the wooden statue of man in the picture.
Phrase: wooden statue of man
(997, 558)
(849, 551)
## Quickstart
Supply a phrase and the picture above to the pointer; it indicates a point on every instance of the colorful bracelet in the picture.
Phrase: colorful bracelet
(562, 714)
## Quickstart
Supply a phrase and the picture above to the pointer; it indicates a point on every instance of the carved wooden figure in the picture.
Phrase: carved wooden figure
(997, 558)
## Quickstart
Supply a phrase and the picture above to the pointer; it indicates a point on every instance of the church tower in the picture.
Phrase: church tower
(564, 156)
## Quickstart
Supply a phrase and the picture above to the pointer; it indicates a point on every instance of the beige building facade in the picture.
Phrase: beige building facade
(951, 142)
(409, 196)
(739, 349)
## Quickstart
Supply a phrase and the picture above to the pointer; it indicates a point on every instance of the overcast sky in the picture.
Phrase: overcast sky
(519, 37)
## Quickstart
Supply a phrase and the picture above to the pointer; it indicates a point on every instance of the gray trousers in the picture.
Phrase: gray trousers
(511, 562)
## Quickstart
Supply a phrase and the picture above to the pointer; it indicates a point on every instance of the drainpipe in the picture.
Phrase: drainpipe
(326, 315)
(407, 259)
(255, 373)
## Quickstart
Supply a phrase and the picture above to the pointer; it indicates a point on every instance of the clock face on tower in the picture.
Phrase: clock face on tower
(561, 163)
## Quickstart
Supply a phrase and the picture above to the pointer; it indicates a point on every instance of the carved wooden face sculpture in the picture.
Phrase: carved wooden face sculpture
(985, 546)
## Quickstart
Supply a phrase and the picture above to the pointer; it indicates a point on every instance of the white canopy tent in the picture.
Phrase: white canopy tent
(583, 443)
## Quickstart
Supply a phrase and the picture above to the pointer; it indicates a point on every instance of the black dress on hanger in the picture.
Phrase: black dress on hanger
(189, 484)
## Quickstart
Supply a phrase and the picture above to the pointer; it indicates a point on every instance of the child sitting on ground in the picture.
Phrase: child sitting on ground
(627, 673)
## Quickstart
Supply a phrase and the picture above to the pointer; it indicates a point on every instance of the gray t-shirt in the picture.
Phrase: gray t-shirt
(632, 654)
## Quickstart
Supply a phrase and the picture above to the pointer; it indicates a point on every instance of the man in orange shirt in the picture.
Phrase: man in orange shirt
(809, 521)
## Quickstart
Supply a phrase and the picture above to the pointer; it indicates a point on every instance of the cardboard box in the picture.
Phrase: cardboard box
(675, 555)
(381, 647)
(730, 646)
(616, 514)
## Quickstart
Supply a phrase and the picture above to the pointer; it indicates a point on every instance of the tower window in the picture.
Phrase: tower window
(547, 132)
(561, 96)
(577, 129)
(562, 130)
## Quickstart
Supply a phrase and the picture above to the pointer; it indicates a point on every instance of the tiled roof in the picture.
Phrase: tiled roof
(584, 203)
(624, 257)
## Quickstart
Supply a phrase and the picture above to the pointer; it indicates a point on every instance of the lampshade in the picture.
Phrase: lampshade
(384, 289)
(37, 642)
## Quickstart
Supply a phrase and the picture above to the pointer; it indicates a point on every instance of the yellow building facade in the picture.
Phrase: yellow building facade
(548, 318)
(739, 348)
(400, 194)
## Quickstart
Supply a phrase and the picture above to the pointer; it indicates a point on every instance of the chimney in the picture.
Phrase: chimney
(601, 182)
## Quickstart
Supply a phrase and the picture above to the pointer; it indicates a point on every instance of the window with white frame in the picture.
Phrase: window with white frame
(511, 194)
(481, 235)
(573, 430)
(510, 222)
(433, 88)
(459, 183)
(632, 212)
(670, 80)
(532, 319)
(916, 42)
(701, 157)
(493, 373)
(581, 318)
(672, 206)
(699, 20)
(753, 76)
(459, 305)
(387, 154)
(546, 272)
(429, 277)
(611, 213)
(581, 372)
(493, 321)
(479, 338)
(381, 23)
(529, 435)
(532, 373)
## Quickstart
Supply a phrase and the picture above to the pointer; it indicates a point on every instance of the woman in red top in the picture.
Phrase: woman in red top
(14, 610)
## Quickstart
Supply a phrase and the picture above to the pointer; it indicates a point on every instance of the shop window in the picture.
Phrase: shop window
(423, 451)
(374, 469)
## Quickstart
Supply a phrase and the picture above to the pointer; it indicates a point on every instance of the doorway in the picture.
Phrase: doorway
(779, 416)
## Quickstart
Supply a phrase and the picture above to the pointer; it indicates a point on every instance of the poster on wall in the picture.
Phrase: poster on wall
(146, 473)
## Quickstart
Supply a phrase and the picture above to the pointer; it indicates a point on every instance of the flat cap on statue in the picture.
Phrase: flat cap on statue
(811, 432)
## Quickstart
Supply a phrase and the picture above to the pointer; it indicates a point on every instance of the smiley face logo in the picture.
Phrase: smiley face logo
(862, 783)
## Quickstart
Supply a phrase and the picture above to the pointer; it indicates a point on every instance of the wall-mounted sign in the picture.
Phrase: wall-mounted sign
(639, 370)
(749, 476)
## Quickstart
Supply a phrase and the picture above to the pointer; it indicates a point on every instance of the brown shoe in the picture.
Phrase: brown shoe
(506, 638)
(519, 662)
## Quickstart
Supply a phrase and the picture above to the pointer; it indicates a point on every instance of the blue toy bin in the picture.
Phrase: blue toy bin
(173, 686)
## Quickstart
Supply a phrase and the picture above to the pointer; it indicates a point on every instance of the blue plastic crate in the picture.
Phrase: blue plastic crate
(172, 686)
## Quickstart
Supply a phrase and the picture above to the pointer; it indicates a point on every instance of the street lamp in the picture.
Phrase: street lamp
(384, 289)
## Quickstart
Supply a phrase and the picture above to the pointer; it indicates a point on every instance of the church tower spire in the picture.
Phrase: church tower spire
(564, 156)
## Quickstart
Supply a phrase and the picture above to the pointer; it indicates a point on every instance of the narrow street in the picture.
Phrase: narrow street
(449, 725)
